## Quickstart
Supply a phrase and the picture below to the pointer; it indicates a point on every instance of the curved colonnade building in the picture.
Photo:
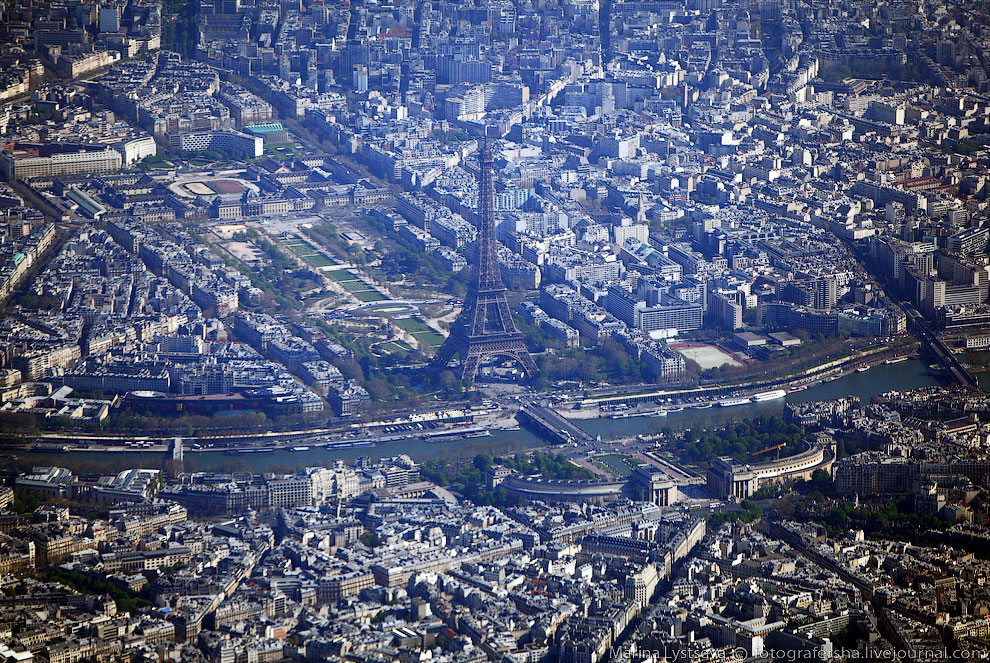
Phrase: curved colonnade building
(727, 479)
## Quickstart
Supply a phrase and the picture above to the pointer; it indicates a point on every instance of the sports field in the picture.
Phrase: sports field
(226, 186)
(706, 356)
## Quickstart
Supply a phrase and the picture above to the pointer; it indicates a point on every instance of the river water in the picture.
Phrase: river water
(909, 374)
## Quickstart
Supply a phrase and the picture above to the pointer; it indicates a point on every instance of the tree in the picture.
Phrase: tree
(482, 462)
(448, 381)
(26, 504)
(370, 539)
(378, 389)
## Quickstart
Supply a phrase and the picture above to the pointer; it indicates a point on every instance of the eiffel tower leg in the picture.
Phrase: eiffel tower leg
(528, 364)
(470, 367)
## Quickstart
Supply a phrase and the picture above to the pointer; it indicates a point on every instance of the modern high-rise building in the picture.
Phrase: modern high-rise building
(665, 313)
(360, 78)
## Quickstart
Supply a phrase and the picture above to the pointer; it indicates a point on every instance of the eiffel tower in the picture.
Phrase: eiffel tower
(484, 328)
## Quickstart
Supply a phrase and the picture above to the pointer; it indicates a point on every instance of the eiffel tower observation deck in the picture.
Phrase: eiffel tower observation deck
(485, 330)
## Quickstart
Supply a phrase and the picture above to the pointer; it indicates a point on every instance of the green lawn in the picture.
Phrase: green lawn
(432, 338)
(619, 464)
(413, 325)
(353, 284)
(342, 275)
(308, 253)
(356, 286)
(288, 149)
(421, 331)
(369, 295)
(395, 347)
(317, 259)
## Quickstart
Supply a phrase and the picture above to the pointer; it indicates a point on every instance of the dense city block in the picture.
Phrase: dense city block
(449, 331)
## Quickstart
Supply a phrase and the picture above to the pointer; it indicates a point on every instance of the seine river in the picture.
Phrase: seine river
(909, 374)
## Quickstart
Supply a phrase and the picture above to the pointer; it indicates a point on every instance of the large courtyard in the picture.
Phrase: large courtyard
(191, 186)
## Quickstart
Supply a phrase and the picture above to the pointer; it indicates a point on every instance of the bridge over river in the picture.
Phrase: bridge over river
(552, 425)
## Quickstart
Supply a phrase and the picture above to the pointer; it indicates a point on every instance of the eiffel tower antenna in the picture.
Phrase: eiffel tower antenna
(485, 329)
